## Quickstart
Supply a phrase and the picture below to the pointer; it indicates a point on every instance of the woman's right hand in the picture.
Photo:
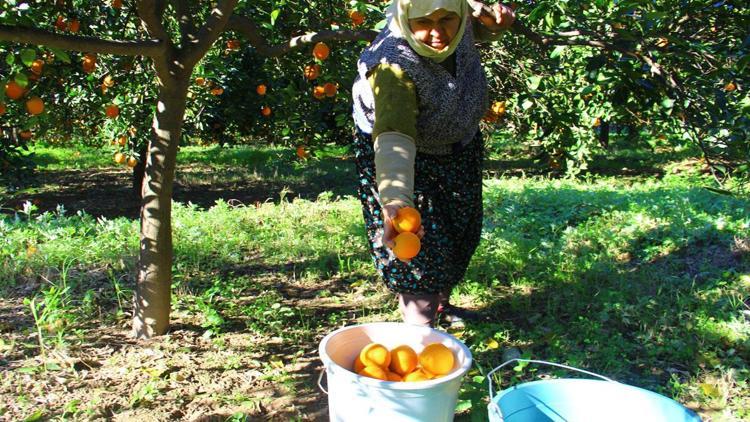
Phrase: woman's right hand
(389, 231)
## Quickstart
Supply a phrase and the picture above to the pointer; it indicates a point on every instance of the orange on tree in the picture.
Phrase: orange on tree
(35, 105)
(330, 89)
(217, 91)
(375, 354)
(117, 4)
(200, 81)
(119, 158)
(357, 17)
(233, 44)
(319, 92)
(37, 66)
(109, 81)
(312, 71)
(13, 90)
(730, 86)
(261, 89)
(26, 134)
(60, 23)
(265, 111)
(597, 122)
(407, 245)
(2, 109)
(89, 62)
(403, 360)
(321, 51)
(302, 152)
(436, 359)
(407, 219)
(374, 372)
(132, 162)
(74, 25)
(498, 108)
(122, 141)
(112, 111)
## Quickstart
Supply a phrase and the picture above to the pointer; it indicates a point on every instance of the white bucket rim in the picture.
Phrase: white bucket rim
(394, 385)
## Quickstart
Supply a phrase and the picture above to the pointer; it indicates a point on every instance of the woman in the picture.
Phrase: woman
(418, 100)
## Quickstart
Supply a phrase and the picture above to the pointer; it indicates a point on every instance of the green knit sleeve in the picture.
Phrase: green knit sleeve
(395, 101)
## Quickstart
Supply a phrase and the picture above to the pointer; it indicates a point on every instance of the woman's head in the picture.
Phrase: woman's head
(433, 28)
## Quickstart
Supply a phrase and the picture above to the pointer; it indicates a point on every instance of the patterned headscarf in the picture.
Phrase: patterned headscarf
(400, 11)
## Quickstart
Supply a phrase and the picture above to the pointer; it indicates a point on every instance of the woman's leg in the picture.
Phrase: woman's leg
(418, 309)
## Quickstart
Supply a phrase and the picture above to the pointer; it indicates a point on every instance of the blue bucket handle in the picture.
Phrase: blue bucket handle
(543, 362)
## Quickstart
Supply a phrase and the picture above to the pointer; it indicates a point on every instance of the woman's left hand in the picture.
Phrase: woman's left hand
(501, 18)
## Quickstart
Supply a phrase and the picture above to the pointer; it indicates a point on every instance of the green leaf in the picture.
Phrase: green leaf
(36, 416)
(527, 104)
(534, 82)
(463, 405)
(557, 51)
(61, 55)
(10, 59)
(28, 56)
(667, 103)
(22, 79)
(274, 16)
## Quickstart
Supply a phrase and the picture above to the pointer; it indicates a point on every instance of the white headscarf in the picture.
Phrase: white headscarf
(400, 11)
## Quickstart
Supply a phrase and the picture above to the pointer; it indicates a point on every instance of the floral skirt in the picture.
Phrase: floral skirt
(448, 195)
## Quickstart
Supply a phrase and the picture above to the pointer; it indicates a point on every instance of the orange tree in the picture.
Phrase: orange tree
(579, 70)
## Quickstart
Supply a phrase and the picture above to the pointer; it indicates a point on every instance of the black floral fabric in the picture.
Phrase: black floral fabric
(448, 195)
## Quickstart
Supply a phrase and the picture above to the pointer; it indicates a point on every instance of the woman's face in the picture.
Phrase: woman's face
(436, 29)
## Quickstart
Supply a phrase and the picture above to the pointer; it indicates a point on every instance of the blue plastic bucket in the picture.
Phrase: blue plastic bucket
(573, 399)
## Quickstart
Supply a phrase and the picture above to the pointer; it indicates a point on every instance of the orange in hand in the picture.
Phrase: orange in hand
(407, 220)
(407, 245)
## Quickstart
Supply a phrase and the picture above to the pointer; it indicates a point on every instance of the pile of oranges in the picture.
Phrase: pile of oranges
(403, 364)
(407, 223)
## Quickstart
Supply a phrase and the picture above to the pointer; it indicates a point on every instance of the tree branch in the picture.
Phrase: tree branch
(186, 21)
(151, 12)
(80, 43)
(249, 30)
(209, 32)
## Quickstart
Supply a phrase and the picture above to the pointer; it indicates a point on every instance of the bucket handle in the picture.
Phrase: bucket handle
(543, 362)
(320, 380)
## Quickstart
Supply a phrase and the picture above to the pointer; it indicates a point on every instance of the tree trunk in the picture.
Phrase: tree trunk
(139, 172)
(153, 287)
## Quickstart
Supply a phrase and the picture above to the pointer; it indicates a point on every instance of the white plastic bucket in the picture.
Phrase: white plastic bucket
(354, 398)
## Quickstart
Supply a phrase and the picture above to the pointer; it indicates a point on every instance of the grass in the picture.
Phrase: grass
(643, 280)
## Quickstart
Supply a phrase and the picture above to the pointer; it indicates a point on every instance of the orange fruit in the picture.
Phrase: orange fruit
(2, 109)
(74, 25)
(35, 105)
(132, 162)
(112, 111)
(407, 245)
(730, 86)
(122, 141)
(261, 89)
(60, 23)
(89, 62)
(117, 4)
(119, 158)
(392, 376)
(416, 376)
(26, 134)
(403, 360)
(319, 92)
(312, 71)
(498, 108)
(358, 365)
(233, 44)
(374, 372)
(321, 51)
(330, 89)
(437, 359)
(37, 66)
(200, 81)
(13, 90)
(265, 111)
(357, 17)
(217, 91)
(109, 81)
(375, 354)
(302, 152)
(407, 220)
(597, 122)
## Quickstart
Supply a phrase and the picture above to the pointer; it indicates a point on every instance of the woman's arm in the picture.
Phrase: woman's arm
(489, 22)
